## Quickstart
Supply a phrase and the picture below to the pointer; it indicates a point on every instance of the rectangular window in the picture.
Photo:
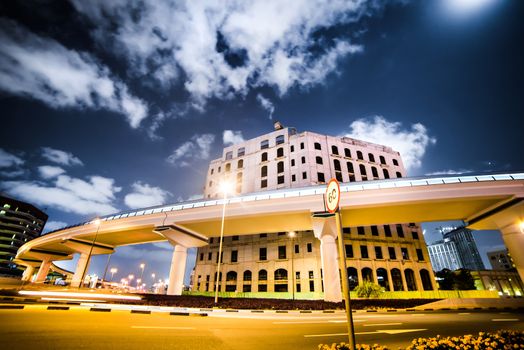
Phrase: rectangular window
(234, 238)
(364, 252)
(405, 254)
(263, 235)
(280, 179)
(303, 159)
(349, 250)
(293, 178)
(311, 285)
(304, 175)
(264, 144)
(361, 230)
(374, 230)
(392, 254)
(262, 254)
(282, 252)
(209, 256)
(420, 255)
(262, 287)
(201, 256)
(309, 247)
(378, 253)
(263, 183)
(387, 231)
(346, 230)
(292, 148)
(221, 257)
(298, 288)
(241, 152)
(229, 155)
(414, 234)
(280, 139)
(292, 162)
(321, 177)
(234, 256)
(211, 240)
(400, 231)
(302, 145)
(297, 249)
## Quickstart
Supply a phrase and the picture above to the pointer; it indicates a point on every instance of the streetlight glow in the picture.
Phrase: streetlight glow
(521, 226)
(226, 187)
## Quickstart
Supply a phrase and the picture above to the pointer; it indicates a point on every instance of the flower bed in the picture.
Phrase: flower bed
(503, 340)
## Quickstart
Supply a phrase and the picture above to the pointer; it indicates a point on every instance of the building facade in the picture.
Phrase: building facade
(466, 248)
(394, 256)
(506, 283)
(501, 260)
(444, 255)
(19, 222)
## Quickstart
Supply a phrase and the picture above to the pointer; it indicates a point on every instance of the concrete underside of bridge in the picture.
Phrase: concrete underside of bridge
(497, 205)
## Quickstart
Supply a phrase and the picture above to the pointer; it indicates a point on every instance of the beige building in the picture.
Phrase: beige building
(394, 256)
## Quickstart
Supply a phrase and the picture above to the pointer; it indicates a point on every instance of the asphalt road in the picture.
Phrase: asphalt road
(78, 328)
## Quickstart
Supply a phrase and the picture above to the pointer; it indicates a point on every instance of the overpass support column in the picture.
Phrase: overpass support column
(177, 270)
(514, 239)
(81, 266)
(325, 229)
(28, 273)
(43, 271)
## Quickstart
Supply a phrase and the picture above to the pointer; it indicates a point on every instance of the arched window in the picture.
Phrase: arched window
(247, 275)
(263, 171)
(240, 164)
(382, 277)
(399, 175)
(280, 167)
(319, 160)
(382, 160)
(410, 279)
(334, 150)
(262, 275)
(347, 152)
(281, 280)
(386, 173)
(264, 157)
(280, 152)
(317, 146)
(374, 171)
(371, 157)
(352, 278)
(350, 167)
(396, 278)
(336, 164)
(228, 167)
(426, 279)
(367, 274)
(281, 275)
(395, 162)
(359, 155)
(363, 171)
(231, 276)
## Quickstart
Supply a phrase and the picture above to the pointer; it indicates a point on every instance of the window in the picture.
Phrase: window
(363, 172)
(319, 160)
(304, 175)
(395, 162)
(420, 255)
(280, 167)
(264, 144)
(234, 238)
(263, 171)
(364, 252)
(229, 155)
(282, 252)
(320, 177)
(371, 157)
(279, 139)
(292, 162)
(378, 253)
(360, 230)
(374, 231)
(209, 256)
(311, 281)
(262, 275)
(349, 250)
(336, 164)
(350, 167)
(400, 231)
(302, 145)
(201, 256)
(219, 168)
(210, 184)
(359, 155)
(240, 164)
(414, 234)
(317, 146)
(347, 152)
(212, 171)
(263, 183)
(387, 231)
(247, 275)
(374, 171)
(221, 259)
(297, 249)
(262, 254)
(228, 167)
(399, 175)
(334, 150)
(405, 254)
(292, 148)
(338, 176)
(280, 179)
(293, 178)
(280, 152)
(386, 173)
(264, 157)
(263, 235)
(262, 287)
(309, 247)
(382, 160)
(241, 151)
(211, 240)
(303, 159)
(392, 254)
(234, 256)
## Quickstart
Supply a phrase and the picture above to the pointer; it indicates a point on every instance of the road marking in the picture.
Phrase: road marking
(464, 313)
(387, 331)
(504, 319)
(415, 315)
(398, 331)
(344, 321)
(161, 327)
(312, 322)
(382, 324)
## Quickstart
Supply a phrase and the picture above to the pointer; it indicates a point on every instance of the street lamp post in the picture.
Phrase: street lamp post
(292, 235)
(97, 223)
(130, 278)
(225, 187)
(142, 266)
(113, 271)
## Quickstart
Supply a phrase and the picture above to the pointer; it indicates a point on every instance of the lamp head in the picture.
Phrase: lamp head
(292, 234)
(226, 186)
(96, 222)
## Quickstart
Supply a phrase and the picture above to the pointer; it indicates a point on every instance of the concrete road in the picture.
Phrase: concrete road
(35, 327)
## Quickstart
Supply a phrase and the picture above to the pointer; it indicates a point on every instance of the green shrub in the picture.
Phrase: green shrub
(368, 290)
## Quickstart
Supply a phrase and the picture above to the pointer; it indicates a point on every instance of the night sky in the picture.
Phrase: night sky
(112, 105)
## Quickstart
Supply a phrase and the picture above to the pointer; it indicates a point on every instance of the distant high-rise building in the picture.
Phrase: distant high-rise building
(501, 260)
(20, 222)
(466, 248)
(444, 255)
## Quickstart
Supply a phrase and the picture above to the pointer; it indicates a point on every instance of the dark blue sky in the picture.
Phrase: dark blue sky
(107, 107)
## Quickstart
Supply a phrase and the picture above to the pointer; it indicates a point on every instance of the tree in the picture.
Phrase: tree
(445, 279)
(368, 290)
(463, 280)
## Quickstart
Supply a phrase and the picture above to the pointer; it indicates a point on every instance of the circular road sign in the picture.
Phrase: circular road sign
(332, 197)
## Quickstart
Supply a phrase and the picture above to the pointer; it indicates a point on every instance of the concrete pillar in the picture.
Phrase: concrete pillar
(390, 280)
(81, 266)
(514, 239)
(404, 281)
(177, 270)
(418, 280)
(28, 273)
(43, 271)
(325, 229)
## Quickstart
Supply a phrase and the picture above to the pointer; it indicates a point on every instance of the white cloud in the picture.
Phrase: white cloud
(54, 225)
(49, 171)
(94, 196)
(411, 143)
(42, 69)
(266, 104)
(60, 157)
(231, 137)
(219, 49)
(197, 148)
(140, 253)
(12, 173)
(144, 195)
(8, 160)
(450, 172)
